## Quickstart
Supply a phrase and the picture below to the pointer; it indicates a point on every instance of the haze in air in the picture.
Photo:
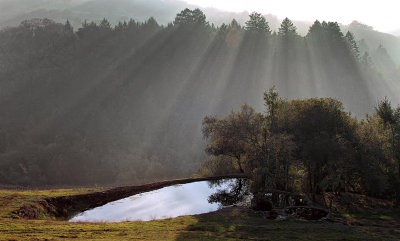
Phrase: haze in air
(291, 99)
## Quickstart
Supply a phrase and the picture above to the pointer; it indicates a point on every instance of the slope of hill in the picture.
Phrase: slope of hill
(121, 10)
(126, 104)
(77, 11)
(15, 11)
(374, 39)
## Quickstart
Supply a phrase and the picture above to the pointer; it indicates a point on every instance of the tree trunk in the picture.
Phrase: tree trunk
(240, 165)
(310, 179)
(286, 177)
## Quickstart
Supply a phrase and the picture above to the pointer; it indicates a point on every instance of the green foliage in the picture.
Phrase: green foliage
(190, 17)
(287, 29)
(78, 102)
(245, 138)
(391, 119)
(313, 142)
(321, 131)
(315, 29)
(387, 113)
(373, 157)
(257, 24)
(352, 44)
(272, 102)
(234, 136)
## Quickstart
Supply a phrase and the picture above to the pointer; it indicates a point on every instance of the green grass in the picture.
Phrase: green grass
(11, 200)
(228, 224)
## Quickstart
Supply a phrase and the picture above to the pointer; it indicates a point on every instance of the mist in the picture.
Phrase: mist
(105, 104)
(79, 11)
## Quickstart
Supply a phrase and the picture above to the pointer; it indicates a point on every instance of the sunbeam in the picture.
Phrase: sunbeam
(130, 99)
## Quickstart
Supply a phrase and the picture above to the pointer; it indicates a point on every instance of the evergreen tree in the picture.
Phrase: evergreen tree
(68, 28)
(352, 44)
(335, 35)
(366, 60)
(258, 24)
(190, 17)
(391, 118)
(152, 23)
(234, 24)
(105, 24)
(315, 30)
(287, 29)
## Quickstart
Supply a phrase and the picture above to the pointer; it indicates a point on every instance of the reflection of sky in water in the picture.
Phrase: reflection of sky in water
(168, 202)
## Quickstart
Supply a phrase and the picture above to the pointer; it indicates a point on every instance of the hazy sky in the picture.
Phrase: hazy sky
(383, 15)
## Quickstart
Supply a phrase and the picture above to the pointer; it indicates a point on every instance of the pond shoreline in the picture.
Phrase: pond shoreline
(65, 207)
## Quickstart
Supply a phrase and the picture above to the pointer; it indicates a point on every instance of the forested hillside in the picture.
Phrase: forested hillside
(107, 104)
(77, 11)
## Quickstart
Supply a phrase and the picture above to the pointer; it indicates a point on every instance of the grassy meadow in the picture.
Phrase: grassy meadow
(226, 224)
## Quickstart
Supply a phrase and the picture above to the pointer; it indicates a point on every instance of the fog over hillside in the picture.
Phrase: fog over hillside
(94, 10)
(77, 11)
(123, 102)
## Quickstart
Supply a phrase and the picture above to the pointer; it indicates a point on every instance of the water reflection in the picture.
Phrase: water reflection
(237, 192)
(169, 202)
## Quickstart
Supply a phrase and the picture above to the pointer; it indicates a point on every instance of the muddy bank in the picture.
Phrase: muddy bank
(65, 206)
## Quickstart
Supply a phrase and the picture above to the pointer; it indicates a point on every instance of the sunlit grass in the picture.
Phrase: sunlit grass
(228, 224)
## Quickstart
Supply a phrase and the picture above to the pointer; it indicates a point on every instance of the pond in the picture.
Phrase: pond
(169, 202)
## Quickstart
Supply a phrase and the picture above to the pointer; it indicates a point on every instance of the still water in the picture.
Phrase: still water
(169, 202)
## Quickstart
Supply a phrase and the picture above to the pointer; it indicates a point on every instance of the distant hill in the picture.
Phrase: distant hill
(91, 10)
(125, 104)
(94, 10)
(15, 11)
(77, 11)
(373, 39)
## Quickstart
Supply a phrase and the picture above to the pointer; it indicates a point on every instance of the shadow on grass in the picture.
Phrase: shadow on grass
(229, 223)
(243, 224)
